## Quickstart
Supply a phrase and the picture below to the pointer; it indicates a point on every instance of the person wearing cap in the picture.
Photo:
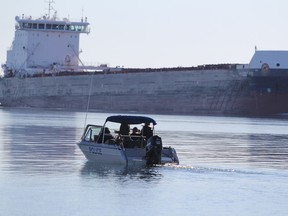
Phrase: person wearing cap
(135, 135)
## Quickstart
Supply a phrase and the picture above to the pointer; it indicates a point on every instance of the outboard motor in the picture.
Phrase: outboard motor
(169, 155)
(154, 150)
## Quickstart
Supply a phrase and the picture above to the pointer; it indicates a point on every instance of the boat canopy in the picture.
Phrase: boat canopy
(130, 119)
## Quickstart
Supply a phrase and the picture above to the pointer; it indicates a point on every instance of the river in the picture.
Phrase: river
(228, 166)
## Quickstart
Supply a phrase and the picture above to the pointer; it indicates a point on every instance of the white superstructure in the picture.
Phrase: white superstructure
(45, 45)
(273, 59)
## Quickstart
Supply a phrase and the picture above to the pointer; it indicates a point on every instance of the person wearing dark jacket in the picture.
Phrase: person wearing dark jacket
(147, 131)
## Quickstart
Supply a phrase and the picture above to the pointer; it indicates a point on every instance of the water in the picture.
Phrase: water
(229, 166)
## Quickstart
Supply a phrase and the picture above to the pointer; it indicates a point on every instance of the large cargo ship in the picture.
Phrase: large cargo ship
(43, 70)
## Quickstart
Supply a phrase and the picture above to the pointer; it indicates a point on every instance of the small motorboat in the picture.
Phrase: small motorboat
(116, 143)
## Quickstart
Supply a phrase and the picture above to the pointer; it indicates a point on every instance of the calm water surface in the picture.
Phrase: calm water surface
(229, 166)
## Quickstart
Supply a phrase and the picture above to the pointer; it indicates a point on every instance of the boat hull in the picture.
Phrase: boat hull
(103, 154)
(195, 92)
(113, 154)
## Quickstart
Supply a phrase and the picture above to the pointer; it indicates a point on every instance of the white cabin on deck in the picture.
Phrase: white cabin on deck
(270, 59)
(45, 44)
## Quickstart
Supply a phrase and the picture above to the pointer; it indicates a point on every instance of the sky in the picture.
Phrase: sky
(163, 33)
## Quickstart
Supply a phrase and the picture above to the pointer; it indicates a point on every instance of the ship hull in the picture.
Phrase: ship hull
(199, 92)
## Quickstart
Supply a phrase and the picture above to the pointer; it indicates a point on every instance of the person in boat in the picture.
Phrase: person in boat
(147, 131)
(124, 129)
(107, 136)
(135, 135)
(124, 134)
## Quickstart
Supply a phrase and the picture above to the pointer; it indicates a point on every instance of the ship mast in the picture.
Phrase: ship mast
(50, 2)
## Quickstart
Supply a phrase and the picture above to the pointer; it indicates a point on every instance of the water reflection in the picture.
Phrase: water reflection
(38, 148)
(232, 149)
(91, 170)
(267, 148)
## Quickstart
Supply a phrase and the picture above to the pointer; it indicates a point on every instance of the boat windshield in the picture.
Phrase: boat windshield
(91, 133)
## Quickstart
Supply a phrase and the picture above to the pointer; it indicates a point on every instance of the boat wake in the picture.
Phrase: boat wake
(206, 170)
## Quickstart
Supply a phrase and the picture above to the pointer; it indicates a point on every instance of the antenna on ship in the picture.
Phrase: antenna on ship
(50, 8)
(82, 15)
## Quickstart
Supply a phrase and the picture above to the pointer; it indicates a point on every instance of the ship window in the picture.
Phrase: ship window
(41, 26)
(278, 65)
(80, 28)
(34, 25)
(48, 26)
(27, 25)
(77, 28)
(54, 26)
(61, 27)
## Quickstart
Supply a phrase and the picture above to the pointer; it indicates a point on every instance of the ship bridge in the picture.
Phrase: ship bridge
(45, 45)
(46, 24)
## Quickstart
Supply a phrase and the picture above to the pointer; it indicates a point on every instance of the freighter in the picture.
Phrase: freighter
(43, 70)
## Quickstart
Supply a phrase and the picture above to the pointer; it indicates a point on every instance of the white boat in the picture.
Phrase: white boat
(109, 144)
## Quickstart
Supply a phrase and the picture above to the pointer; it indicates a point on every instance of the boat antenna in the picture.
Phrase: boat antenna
(88, 102)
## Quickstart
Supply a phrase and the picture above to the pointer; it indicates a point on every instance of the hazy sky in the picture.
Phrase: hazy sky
(164, 33)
